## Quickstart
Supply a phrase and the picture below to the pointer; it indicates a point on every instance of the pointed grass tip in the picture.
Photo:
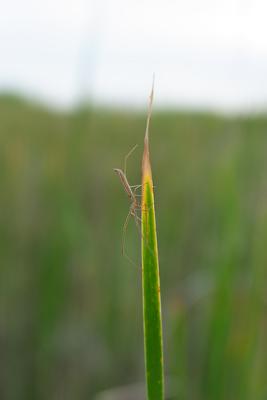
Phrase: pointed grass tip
(146, 161)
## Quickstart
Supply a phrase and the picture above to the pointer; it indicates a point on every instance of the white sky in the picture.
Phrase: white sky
(205, 53)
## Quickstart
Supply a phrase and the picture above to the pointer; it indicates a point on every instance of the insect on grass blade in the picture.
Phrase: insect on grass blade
(150, 277)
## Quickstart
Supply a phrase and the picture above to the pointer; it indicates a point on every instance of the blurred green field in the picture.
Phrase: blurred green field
(70, 304)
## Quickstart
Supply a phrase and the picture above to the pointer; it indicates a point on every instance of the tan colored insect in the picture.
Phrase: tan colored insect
(131, 190)
(131, 193)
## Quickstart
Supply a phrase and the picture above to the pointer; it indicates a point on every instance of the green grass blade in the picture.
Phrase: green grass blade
(151, 283)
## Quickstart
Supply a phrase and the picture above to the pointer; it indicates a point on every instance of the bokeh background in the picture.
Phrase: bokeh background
(74, 82)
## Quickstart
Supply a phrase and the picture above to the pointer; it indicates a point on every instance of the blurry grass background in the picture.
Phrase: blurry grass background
(70, 305)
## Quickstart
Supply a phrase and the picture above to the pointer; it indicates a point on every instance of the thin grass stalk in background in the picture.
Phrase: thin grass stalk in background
(151, 282)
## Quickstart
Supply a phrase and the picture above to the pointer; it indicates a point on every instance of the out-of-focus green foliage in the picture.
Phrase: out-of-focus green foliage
(70, 305)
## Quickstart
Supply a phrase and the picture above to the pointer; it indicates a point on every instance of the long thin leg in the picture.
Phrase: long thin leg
(135, 186)
(126, 157)
(138, 186)
(137, 218)
(124, 253)
(124, 232)
(138, 221)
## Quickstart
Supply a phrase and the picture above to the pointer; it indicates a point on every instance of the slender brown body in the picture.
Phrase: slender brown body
(125, 183)
(128, 191)
(135, 206)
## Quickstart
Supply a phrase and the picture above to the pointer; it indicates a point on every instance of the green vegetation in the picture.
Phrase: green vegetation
(70, 304)
(151, 283)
